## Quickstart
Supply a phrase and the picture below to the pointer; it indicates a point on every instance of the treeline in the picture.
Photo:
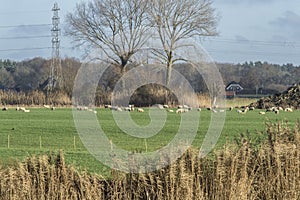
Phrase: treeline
(261, 77)
(28, 76)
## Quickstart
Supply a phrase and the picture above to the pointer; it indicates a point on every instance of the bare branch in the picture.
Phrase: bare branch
(117, 27)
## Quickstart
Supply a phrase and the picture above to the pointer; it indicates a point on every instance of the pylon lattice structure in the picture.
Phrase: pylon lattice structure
(55, 77)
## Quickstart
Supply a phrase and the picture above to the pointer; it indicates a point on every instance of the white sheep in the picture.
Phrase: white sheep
(180, 110)
(288, 110)
(239, 111)
(199, 109)
(131, 107)
(165, 106)
(127, 109)
(262, 113)
(107, 106)
(46, 106)
(251, 108)
(140, 110)
(171, 111)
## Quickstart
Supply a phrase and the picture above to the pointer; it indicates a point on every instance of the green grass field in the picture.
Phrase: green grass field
(44, 131)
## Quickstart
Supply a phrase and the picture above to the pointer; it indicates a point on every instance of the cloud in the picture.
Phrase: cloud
(288, 20)
(289, 23)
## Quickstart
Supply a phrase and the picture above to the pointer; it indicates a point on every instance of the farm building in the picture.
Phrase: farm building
(232, 88)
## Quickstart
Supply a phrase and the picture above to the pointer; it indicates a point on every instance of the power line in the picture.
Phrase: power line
(25, 37)
(256, 42)
(25, 49)
(25, 25)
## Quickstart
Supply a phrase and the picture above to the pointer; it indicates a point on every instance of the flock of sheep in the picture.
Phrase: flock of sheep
(275, 110)
(180, 109)
(130, 108)
(23, 109)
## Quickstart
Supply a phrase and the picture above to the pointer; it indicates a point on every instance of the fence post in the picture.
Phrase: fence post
(40, 141)
(146, 146)
(74, 142)
(8, 141)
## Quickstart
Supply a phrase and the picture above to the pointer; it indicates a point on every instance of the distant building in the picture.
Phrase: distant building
(232, 88)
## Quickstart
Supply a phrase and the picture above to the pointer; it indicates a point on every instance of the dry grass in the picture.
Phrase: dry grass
(244, 171)
(238, 102)
(34, 97)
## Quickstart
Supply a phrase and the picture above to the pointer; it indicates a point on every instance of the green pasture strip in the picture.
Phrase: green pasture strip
(43, 131)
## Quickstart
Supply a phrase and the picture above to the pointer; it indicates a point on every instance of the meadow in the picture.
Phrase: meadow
(43, 131)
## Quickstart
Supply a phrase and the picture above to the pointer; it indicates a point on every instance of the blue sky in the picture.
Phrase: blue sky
(249, 30)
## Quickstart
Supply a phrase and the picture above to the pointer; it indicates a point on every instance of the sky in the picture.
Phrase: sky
(249, 30)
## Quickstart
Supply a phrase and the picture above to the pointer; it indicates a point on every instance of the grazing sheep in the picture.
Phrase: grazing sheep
(116, 108)
(107, 106)
(127, 109)
(140, 110)
(262, 113)
(209, 108)
(251, 108)
(199, 109)
(171, 111)
(288, 110)
(269, 110)
(5, 109)
(131, 107)
(239, 111)
(276, 112)
(82, 108)
(180, 110)
(46, 106)
(180, 107)
(165, 106)
(231, 108)
(280, 108)
(53, 108)
(246, 109)
(22, 109)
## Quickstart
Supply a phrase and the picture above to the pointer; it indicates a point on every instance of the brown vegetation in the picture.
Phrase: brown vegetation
(33, 98)
(271, 171)
(287, 99)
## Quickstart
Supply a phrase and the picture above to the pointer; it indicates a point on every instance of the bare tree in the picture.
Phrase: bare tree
(117, 27)
(177, 20)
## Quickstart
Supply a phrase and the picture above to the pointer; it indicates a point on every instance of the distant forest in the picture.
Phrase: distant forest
(255, 77)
